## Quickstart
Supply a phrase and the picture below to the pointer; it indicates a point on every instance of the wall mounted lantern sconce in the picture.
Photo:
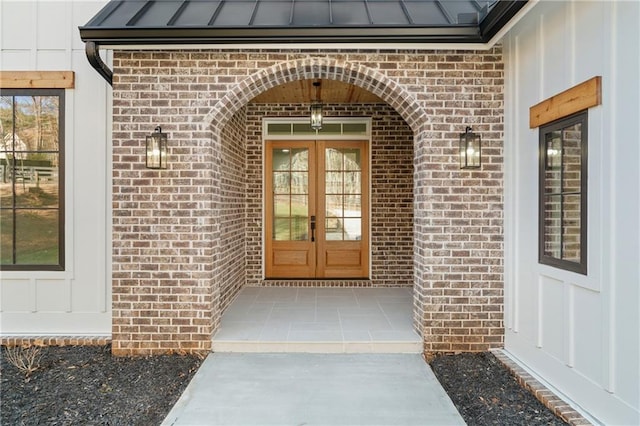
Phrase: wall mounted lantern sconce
(470, 147)
(316, 109)
(157, 150)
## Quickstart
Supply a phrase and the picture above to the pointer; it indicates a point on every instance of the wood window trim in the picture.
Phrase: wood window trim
(37, 79)
(578, 98)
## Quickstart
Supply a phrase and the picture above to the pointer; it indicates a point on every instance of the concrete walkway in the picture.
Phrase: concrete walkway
(314, 389)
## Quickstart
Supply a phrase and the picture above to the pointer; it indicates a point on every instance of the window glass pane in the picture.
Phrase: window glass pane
(38, 241)
(279, 128)
(553, 152)
(354, 128)
(303, 129)
(37, 185)
(6, 186)
(331, 129)
(552, 226)
(571, 228)
(571, 158)
(6, 236)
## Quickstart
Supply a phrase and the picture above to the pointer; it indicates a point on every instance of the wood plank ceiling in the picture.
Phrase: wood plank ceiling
(303, 92)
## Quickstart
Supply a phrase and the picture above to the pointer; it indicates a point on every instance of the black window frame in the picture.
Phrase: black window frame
(581, 118)
(60, 266)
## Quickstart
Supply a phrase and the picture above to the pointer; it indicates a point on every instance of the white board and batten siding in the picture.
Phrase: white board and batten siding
(579, 333)
(43, 36)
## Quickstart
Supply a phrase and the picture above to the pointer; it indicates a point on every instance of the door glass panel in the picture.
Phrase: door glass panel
(353, 206)
(300, 159)
(290, 196)
(352, 229)
(281, 159)
(299, 182)
(334, 205)
(343, 197)
(333, 183)
(352, 182)
(333, 228)
(351, 159)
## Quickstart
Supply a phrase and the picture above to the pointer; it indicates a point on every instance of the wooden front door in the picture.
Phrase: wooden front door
(317, 209)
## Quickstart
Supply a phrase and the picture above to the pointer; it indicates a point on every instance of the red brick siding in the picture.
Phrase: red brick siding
(167, 276)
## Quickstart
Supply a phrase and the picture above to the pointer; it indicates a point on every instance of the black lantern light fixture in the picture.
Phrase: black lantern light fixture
(157, 150)
(316, 109)
(470, 147)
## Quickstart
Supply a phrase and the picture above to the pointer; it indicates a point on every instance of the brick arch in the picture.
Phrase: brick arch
(387, 89)
(318, 68)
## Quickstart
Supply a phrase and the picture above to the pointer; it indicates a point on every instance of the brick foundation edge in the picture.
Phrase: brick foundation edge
(55, 341)
(550, 400)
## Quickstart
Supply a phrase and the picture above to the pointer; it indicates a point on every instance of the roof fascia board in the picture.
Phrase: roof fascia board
(512, 23)
(499, 16)
(113, 36)
(305, 46)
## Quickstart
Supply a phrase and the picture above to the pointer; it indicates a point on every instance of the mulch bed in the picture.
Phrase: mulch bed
(86, 385)
(485, 393)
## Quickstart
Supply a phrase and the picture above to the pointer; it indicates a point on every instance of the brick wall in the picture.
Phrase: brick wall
(167, 256)
(391, 193)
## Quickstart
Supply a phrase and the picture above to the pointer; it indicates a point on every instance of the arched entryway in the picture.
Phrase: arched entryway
(234, 266)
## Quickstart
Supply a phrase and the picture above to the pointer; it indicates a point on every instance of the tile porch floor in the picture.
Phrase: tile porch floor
(320, 320)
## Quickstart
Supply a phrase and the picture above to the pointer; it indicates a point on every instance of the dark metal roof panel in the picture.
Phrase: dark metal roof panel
(307, 21)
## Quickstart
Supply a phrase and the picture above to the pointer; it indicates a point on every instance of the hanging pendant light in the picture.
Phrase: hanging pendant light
(316, 109)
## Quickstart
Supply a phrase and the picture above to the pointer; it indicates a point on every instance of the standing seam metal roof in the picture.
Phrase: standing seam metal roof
(304, 21)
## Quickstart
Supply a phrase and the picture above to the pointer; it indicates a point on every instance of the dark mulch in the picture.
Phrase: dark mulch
(88, 386)
(485, 393)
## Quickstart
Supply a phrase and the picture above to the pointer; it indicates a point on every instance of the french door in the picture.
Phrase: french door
(317, 209)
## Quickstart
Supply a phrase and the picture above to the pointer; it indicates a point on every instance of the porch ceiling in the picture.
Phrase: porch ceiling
(303, 92)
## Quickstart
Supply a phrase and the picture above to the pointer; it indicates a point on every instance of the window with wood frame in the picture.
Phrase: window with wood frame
(32, 179)
(563, 193)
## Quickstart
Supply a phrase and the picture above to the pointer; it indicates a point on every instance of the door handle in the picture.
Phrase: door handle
(313, 228)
